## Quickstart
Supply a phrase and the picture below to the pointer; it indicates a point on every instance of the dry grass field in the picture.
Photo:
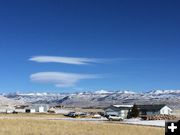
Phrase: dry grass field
(176, 113)
(55, 127)
(33, 115)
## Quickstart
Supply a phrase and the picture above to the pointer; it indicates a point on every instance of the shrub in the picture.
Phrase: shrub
(134, 112)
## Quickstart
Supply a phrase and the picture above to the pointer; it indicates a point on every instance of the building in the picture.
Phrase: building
(6, 109)
(154, 109)
(120, 110)
(40, 108)
(124, 110)
(30, 110)
(20, 109)
(36, 108)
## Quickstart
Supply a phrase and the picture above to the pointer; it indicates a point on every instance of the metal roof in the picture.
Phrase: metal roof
(118, 106)
(151, 107)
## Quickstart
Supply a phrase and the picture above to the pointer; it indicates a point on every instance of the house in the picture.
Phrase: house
(124, 110)
(154, 109)
(25, 109)
(120, 110)
(20, 108)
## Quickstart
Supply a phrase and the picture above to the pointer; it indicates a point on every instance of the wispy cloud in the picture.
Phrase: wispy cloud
(61, 79)
(81, 61)
(66, 60)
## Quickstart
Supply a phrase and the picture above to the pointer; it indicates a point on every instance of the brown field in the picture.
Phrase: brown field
(34, 115)
(176, 113)
(23, 126)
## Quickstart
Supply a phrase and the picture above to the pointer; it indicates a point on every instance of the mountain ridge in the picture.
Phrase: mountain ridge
(100, 98)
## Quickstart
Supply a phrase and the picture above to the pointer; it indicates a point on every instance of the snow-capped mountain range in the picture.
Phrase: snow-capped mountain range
(100, 98)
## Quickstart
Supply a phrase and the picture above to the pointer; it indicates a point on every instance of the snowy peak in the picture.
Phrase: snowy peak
(158, 92)
(126, 92)
(34, 94)
(102, 92)
(119, 92)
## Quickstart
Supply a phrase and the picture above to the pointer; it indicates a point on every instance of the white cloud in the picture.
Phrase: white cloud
(78, 61)
(66, 60)
(60, 79)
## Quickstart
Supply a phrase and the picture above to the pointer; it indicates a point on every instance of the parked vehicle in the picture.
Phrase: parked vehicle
(115, 118)
(82, 115)
(71, 114)
(97, 116)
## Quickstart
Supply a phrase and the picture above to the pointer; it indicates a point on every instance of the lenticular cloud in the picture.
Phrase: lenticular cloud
(65, 60)
(60, 79)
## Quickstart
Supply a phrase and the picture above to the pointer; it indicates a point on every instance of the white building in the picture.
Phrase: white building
(37, 108)
(41, 109)
(154, 109)
(119, 110)
(30, 110)
(6, 109)
(20, 108)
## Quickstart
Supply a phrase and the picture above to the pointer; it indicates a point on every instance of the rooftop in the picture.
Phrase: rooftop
(118, 106)
(151, 107)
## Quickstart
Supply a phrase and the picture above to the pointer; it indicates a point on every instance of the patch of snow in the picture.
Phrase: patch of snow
(102, 92)
(126, 92)
(123, 106)
(159, 123)
(156, 92)
(37, 94)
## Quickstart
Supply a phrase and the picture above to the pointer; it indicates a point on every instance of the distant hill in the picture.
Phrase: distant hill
(101, 98)
(9, 101)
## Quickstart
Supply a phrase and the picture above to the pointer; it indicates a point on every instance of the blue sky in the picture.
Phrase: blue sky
(128, 45)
